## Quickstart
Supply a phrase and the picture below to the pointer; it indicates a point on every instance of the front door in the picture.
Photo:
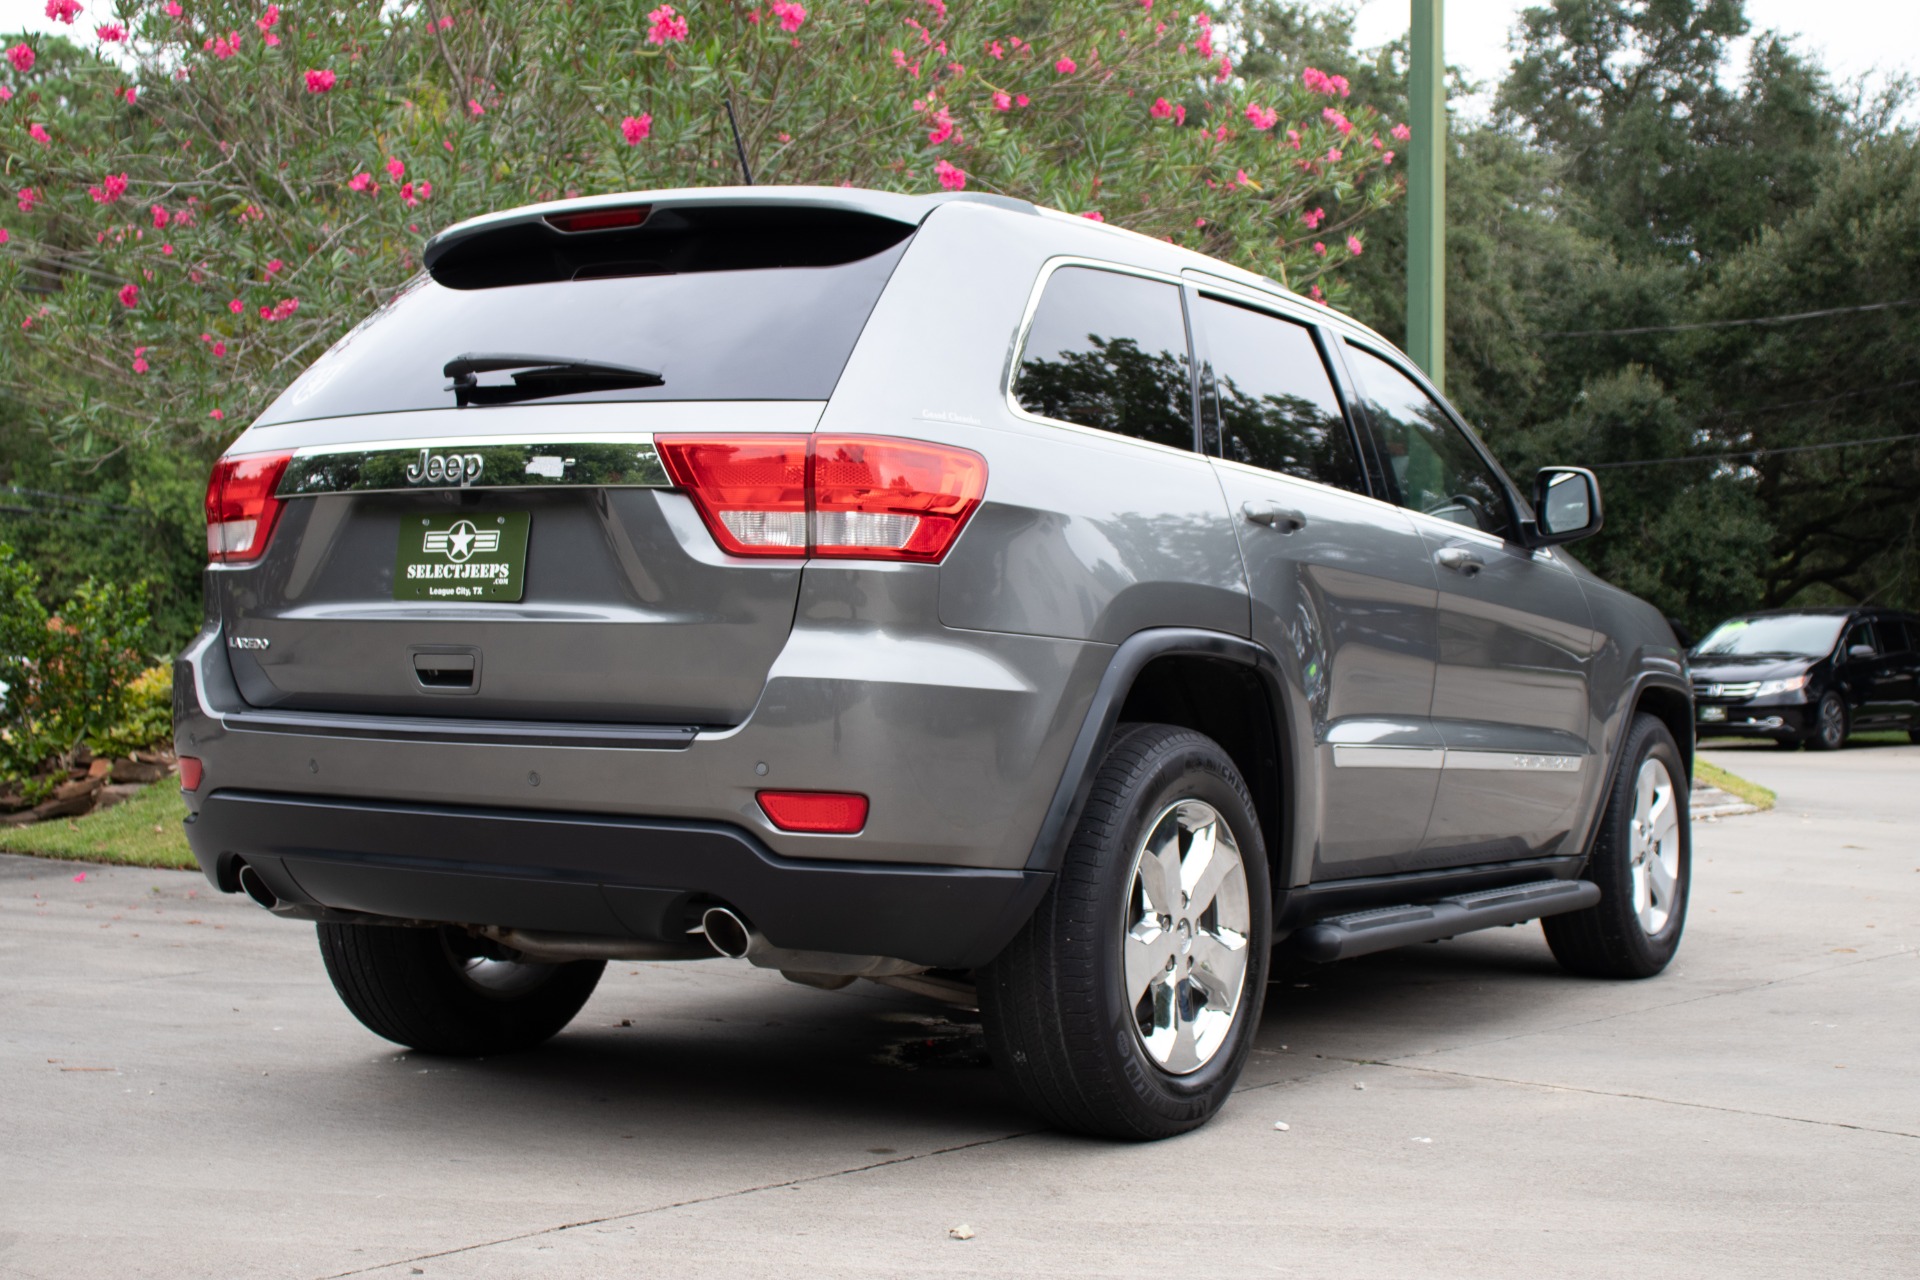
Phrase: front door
(1516, 640)
(1342, 590)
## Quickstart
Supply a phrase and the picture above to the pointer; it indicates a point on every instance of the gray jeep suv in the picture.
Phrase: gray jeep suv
(940, 591)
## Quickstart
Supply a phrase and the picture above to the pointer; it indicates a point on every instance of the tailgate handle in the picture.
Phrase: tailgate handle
(444, 670)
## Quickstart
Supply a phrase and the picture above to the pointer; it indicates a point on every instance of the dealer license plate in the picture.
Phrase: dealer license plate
(471, 556)
(1713, 713)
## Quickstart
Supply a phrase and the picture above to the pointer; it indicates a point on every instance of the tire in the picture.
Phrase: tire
(1789, 744)
(1830, 724)
(438, 991)
(1913, 736)
(1633, 931)
(1060, 1018)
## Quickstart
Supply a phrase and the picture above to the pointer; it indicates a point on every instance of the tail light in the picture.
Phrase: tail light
(861, 497)
(241, 508)
(190, 773)
(815, 812)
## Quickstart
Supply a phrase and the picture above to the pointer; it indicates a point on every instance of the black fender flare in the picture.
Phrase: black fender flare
(1644, 679)
(1129, 659)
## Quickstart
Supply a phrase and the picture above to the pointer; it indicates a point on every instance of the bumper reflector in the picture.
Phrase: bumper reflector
(190, 773)
(816, 812)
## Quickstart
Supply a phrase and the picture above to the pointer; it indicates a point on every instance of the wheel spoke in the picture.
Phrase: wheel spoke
(1160, 869)
(1147, 961)
(1185, 1054)
(1206, 868)
(1661, 815)
(1660, 882)
(1219, 966)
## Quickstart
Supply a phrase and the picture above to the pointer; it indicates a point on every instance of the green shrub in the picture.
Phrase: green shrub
(68, 674)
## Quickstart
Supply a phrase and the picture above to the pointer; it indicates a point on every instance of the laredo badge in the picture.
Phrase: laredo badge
(471, 556)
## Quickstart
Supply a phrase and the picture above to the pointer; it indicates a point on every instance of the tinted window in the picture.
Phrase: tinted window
(1109, 350)
(1434, 465)
(1800, 635)
(779, 334)
(1273, 398)
(1861, 633)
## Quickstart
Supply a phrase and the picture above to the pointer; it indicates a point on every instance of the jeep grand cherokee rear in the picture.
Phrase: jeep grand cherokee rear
(937, 591)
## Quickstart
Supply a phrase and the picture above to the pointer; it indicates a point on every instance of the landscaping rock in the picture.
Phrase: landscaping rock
(137, 772)
(116, 792)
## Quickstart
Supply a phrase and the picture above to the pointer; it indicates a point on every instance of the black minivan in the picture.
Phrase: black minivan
(1809, 676)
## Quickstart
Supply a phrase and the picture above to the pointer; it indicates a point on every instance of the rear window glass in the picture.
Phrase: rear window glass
(781, 333)
(1273, 398)
(1109, 350)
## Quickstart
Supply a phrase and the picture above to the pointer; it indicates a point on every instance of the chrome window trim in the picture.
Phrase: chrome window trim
(307, 475)
(1047, 269)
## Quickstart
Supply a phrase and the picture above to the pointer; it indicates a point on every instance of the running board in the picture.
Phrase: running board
(1360, 933)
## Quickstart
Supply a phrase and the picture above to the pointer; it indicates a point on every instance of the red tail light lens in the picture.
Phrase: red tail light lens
(751, 490)
(860, 497)
(241, 508)
(815, 812)
(190, 773)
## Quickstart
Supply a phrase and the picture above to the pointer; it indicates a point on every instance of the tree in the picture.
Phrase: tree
(206, 202)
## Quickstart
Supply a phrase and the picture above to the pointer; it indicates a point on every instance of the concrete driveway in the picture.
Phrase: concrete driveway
(181, 1094)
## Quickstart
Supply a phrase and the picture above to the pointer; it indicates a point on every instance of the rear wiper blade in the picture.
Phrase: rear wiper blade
(537, 377)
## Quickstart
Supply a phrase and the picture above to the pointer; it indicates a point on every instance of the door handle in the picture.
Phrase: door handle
(1459, 559)
(1274, 516)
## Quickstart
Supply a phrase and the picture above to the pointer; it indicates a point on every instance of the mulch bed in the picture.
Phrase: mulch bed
(92, 783)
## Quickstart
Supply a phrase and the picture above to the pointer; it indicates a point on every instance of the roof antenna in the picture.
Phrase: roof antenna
(738, 146)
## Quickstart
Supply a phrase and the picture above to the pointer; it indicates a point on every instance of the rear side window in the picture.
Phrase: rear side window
(1272, 397)
(715, 324)
(1435, 467)
(1109, 350)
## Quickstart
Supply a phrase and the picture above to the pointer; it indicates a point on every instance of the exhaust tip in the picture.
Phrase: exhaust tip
(254, 887)
(726, 932)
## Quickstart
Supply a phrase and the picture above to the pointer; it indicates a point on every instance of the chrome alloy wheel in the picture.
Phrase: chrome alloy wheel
(1655, 855)
(1186, 932)
(1833, 723)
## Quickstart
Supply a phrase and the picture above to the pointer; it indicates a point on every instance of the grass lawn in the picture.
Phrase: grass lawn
(142, 832)
(1733, 784)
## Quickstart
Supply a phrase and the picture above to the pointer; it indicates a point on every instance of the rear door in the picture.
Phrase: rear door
(512, 548)
(1516, 640)
(1341, 585)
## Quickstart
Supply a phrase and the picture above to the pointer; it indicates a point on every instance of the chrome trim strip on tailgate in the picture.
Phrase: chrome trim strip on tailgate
(525, 733)
(585, 460)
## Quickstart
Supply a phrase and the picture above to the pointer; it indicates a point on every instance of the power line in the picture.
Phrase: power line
(1725, 324)
(1754, 453)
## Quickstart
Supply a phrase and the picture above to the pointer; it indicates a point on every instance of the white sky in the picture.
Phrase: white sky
(1855, 38)
(1852, 38)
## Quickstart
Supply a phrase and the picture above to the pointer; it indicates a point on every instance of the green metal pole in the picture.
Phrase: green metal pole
(1427, 195)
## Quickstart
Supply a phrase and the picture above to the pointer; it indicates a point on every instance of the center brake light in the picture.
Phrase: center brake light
(850, 497)
(241, 506)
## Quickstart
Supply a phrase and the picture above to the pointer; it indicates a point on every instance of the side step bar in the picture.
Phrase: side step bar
(1361, 933)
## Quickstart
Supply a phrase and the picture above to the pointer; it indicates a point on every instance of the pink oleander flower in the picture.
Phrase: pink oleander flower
(474, 107)
(269, 39)
(1316, 80)
(424, 190)
(665, 26)
(131, 95)
(38, 132)
(173, 8)
(166, 251)
(1262, 118)
(791, 15)
(1354, 246)
(1225, 73)
(140, 360)
(160, 216)
(1066, 66)
(942, 122)
(360, 182)
(63, 10)
(21, 56)
(636, 128)
(1401, 133)
(407, 196)
(1387, 158)
(5, 235)
(112, 187)
(1313, 218)
(1333, 155)
(1320, 248)
(1293, 139)
(1240, 179)
(6, 94)
(951, 177)
(396, 168)
(266, 20)
(218, 416)
(1094, 216)
(275, 267)
(1021, 100)
(236, 306)
(1161, 109)
(28, 198)
(995, 49)
(224, 47)
(446, 23)
(129, 295)
(110, 33)
(1316, 295)
(319, 81)
(1337, 120)
(219, 348)
(1002, 102)
(1220, 134)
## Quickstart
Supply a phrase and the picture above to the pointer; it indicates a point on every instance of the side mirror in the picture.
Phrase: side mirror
(1566, 504)
(1860, 651)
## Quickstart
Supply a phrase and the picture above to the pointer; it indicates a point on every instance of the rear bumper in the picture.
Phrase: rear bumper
(601, 875)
